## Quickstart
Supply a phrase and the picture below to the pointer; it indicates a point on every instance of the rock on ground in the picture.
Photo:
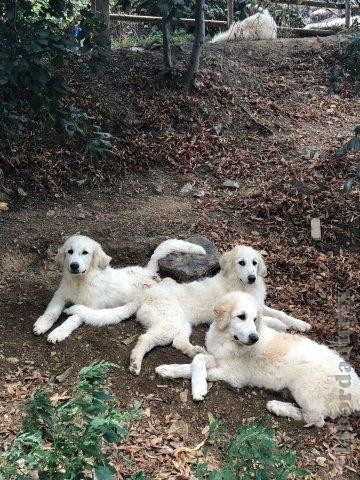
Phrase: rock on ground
(186, 267)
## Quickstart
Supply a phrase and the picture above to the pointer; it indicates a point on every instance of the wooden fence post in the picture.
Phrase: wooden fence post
(347, 14)
(101, 9)
(230, 13)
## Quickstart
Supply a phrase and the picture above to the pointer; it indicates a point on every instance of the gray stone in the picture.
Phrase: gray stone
(12, 360)
(137, 49)
(159, 189)
(198, 193)
(186, 189)
(21, 192)
(185, 266)
(230, 184)
(50, 213)
(218, 128)
(64, 376)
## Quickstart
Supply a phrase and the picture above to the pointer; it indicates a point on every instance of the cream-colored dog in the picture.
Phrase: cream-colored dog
(260, 26)
(169, 310)
(243, 350)
(88, 279)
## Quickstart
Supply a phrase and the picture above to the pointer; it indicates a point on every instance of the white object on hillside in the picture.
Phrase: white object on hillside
(260, 26)
(333, 23)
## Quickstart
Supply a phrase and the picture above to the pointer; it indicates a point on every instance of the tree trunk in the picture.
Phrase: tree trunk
(102, 10)
(230, 13)
(166, 34)
(193, 68)
(347, 14)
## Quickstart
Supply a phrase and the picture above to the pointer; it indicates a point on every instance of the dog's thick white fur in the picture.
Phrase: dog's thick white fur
(260, 26)
(243, 350)
(333, 23)
(169, 310)
(88, 279)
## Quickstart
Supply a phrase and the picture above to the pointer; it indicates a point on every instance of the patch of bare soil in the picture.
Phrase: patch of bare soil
(263, 117)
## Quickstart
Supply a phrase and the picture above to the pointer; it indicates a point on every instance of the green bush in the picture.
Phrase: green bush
(351, 58)
(252, 453)
(37, 38)
(65, 442)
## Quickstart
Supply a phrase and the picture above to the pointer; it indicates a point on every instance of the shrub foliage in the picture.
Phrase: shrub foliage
(37, 38)
(252, 453)
(65, 441)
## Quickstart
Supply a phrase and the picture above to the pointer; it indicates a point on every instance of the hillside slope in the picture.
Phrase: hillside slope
(263, 116)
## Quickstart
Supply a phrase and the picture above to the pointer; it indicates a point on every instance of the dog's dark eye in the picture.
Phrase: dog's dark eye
(85, 252)
(242, 316)
(254, 262)
(242, 263)
(71, 251)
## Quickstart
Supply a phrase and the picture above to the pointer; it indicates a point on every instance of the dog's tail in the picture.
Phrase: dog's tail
(105, 316)
(223, 36)
(172, 245)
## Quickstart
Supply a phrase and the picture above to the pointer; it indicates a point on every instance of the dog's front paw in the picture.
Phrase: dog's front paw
(273, 406)
(164, 371)
(134, 367)
(302, 326)
(197, 397)
(58, 335)
(42, 325)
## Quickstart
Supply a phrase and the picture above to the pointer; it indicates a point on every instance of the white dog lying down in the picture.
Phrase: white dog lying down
(169, 310)
(88, 279)
(260, 26)
(333, 23)
(242, 351)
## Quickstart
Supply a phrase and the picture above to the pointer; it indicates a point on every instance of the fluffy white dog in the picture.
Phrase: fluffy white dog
(243, 351)
(260, 26)
(88, 279)
(333, 23)
(169, 310)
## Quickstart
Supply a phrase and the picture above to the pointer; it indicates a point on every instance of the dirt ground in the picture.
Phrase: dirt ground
(283, 157)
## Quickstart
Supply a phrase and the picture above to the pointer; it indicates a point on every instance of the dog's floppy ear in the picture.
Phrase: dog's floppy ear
(225, 261)
(60, 256)
(222, 315)
(100, 259)
(262, 270)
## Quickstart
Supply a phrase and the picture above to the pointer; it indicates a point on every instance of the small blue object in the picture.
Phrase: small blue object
(77, 31)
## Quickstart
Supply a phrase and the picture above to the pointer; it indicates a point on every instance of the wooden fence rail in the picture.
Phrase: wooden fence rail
(345, 5)
(216, 23)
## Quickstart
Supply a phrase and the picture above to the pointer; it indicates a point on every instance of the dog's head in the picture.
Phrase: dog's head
(238, 315)
(80, 254)
(245, 263)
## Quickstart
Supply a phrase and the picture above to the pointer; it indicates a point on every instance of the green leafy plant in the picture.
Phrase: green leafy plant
(99, 145)
(37, 37)
(352, 145)
(65, 442)
(351, 58)
(348, 66)
(252, 453)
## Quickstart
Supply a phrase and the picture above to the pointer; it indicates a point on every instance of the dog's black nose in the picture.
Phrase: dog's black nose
(74, 266)
(251, 278)
(253, 338)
